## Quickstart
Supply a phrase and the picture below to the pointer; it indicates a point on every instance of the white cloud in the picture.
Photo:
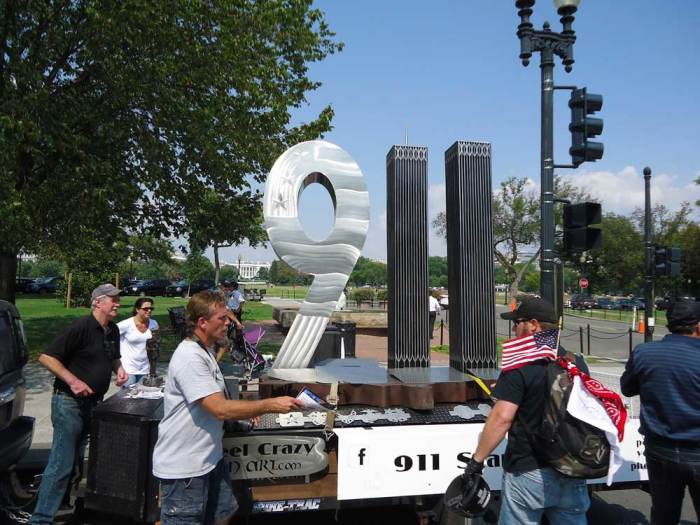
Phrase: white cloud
(623, 191)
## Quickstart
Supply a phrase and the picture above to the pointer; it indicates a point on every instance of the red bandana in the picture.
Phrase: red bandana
(611, 400)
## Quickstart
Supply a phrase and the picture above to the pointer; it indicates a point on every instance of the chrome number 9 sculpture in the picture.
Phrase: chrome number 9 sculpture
(331, 260)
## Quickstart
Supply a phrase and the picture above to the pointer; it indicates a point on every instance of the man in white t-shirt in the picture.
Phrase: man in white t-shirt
(188, 456)
(433, 311)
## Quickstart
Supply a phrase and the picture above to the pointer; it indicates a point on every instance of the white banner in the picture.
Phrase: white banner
(379, 462)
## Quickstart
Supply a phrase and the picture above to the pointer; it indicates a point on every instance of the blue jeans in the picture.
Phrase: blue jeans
(71, 419)
(671, 469)
(526, 496)
(133, 379)
(204, 500)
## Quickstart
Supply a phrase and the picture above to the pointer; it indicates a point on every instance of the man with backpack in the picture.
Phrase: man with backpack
(531, 488)
(665, 375)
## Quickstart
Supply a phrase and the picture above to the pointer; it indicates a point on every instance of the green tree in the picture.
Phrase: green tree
(618, 266)
(282, 273)
(228, 273)
(516, 224)
(368, 272)
(437, 272)
(47, 268)
(263, 274)
(117, 117)
(197, 266)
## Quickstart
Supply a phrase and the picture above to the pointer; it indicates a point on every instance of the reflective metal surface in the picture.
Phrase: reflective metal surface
(357, 371)
(331, 260)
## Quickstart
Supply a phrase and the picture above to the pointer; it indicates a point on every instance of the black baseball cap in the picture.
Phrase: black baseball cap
(533, 308)
(683, 312)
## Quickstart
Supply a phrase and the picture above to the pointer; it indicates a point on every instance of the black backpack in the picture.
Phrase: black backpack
(570, 446)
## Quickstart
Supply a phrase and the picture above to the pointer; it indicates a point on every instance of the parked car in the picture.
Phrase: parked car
(44, 285)
(16, 429)
(582, 302)
(182, 288)
(605, 303)
(147, 287)
(662, 303)
(22, 283)
(629, 304)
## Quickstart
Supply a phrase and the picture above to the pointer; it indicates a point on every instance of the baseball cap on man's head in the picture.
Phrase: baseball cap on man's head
(533, 308)
(103, 290)
(683, 312)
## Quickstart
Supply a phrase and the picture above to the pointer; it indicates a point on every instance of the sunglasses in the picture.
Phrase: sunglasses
(518, 321)
(147, 308)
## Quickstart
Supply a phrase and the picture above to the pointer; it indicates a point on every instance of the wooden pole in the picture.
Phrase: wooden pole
(69, 289)
(116, 279)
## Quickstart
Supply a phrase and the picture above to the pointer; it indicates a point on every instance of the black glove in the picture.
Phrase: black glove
(473, 467)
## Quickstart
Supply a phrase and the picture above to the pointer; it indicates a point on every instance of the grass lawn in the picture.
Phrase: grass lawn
(616, 315)
(287, 292)
(44, 318)
(445, 349)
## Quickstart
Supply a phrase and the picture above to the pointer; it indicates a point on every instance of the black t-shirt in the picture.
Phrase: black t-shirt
(88, 351)
(526, 388)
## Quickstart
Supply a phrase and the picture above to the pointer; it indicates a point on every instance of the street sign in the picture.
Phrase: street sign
(583, 282)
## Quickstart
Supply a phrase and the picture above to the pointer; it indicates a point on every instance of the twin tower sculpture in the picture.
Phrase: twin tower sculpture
(469, 248)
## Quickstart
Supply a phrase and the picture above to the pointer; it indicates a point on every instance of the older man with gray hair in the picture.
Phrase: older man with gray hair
(82, 358)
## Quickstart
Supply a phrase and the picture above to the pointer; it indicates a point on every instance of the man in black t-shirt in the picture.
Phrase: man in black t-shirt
(530, 487)
(82, 358)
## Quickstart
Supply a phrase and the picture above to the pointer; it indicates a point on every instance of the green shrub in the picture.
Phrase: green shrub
(362, 295)
(83, 283)
(382, 295)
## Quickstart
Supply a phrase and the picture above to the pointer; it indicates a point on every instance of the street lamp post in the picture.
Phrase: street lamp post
(548, 44)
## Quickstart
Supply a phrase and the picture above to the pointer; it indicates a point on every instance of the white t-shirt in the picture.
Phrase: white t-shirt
(433, 304)
(132, 345)
(189, 438)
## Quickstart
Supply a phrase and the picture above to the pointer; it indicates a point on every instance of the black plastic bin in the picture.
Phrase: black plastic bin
(330, 344)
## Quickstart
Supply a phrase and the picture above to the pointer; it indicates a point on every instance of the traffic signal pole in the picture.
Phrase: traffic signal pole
(547, 288)
(648, 261)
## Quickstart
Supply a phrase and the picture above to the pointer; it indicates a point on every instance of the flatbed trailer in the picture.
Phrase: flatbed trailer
(371, 457)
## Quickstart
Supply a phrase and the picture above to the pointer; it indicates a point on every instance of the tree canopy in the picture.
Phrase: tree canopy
(120, 117)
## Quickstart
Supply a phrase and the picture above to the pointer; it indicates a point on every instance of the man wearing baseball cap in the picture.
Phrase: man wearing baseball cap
(530, 487)
(665, 375)
(82, 358)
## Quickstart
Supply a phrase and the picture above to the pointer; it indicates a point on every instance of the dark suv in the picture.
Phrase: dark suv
(147, 287)
(182, 288)
(582, 302)
(44, 285)
(16, 430)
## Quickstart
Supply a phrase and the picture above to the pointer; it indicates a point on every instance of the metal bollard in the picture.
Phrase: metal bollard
(588, 328)
(580, 337)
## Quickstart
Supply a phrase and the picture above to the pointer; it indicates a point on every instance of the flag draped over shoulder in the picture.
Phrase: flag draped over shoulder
(611, 401)
(527, 349)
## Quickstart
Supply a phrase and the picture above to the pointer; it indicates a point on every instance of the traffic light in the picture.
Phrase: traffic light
(583, 127)
(667, 260)
(582, 227)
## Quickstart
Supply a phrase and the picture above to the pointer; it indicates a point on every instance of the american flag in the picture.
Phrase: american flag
(524, 350)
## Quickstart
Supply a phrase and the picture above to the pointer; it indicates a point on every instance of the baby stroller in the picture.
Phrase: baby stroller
(244, 350)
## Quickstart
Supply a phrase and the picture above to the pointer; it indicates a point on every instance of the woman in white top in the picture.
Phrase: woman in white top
(134, 332)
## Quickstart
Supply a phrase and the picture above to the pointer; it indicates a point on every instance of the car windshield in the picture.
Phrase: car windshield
(181, 283)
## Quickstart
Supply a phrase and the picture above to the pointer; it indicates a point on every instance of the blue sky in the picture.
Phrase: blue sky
(449, 70)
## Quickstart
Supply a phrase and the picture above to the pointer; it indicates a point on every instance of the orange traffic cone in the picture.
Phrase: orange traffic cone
(640, 327)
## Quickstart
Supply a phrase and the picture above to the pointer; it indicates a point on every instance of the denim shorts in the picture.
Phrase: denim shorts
(204, 499)
(526, 496)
